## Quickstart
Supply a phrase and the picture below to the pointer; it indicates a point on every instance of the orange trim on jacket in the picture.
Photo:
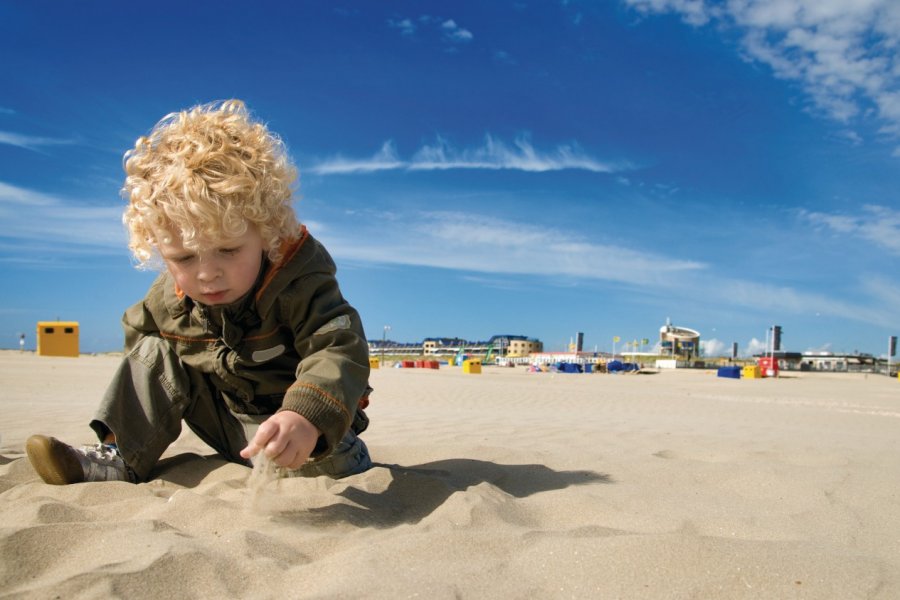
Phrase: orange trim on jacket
(288, 250)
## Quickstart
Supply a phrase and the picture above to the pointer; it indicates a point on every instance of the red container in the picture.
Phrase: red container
(407, 364)
(768, 366)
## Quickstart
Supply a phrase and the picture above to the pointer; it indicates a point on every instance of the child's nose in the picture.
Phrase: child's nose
(209, 270)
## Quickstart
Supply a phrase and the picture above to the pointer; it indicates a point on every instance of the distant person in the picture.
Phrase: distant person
(244, 336)
(22, 342)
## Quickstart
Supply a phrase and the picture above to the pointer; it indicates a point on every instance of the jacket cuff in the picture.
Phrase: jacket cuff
(323, 410)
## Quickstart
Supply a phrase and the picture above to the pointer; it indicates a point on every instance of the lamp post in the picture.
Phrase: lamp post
(384, 341)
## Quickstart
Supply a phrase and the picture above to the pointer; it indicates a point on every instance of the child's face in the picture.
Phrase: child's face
(218, 274)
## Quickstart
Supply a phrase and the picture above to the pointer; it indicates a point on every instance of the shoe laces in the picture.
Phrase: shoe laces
(100, 460)
(103, 453)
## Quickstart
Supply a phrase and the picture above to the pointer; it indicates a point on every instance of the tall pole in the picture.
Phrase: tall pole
(892, 349)
(384, 341)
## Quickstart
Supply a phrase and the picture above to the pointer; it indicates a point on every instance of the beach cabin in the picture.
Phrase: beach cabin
(57, 338)
(472, 365)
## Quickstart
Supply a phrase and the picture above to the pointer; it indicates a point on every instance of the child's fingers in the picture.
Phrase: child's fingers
(250, 451)
(276, 446)
(265, 432)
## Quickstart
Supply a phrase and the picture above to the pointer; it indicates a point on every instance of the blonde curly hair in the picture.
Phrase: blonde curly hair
(209, 173)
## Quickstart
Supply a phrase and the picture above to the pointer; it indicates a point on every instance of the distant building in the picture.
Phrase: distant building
(549, 358)
(787, 361)
(679, 341)
(498, 345)
(824, 361)
(516, 345)
(828, 361)
(442, 345)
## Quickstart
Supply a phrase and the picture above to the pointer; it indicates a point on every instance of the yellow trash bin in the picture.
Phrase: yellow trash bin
(751, 372)
(374, 363)
(471, 365)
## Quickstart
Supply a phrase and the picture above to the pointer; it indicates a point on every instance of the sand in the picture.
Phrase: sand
(505, 484)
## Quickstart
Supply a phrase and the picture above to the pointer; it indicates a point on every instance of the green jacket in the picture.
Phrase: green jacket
(294, 343)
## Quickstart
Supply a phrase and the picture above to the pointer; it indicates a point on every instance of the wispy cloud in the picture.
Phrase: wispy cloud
(887, 291)
(878, 225)
(502, 57)
(455, 33)
(493, 154)
(30, 142)
(514, 250)
(38, 218)
(462, 242)
(843, 54)
(447, 30)
(779, 298)
(406, 26)
(11, 194)
(385, 159)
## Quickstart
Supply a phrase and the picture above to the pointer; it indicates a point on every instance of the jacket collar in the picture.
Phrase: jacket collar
(177, 303)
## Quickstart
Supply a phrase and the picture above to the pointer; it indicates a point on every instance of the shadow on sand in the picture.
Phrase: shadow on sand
(412, 493)
(415, 492)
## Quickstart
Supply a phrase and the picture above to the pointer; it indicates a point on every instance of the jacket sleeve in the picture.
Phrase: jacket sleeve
(138, 321)
(333, 371)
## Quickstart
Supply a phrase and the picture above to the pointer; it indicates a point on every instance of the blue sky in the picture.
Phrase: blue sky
(475, 168)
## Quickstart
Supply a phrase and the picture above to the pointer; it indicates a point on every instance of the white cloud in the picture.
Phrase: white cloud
(777, 299)
(10, 194)
(851, 136)
(383, 160)
(715, 347)
(447, 29)
(826, 347)
(844, 53)
(492, 154)
(30, 142)
(754, 346)
(472, 243)
(455, 33)
(502, 57)
(878, 225)
(406, 26)
(694, 12)
(888, 292)
(34, 217)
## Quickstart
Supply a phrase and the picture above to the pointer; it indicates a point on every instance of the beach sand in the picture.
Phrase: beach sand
(505, 484)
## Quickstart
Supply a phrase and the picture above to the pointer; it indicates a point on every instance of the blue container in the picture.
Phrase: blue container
(730, 372)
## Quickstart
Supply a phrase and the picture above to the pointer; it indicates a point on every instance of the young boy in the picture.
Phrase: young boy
(245, 336)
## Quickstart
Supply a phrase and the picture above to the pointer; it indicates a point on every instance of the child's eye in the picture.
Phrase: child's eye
(229, 251)
(180, 260)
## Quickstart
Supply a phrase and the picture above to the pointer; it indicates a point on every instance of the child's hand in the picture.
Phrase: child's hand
(286, 437)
